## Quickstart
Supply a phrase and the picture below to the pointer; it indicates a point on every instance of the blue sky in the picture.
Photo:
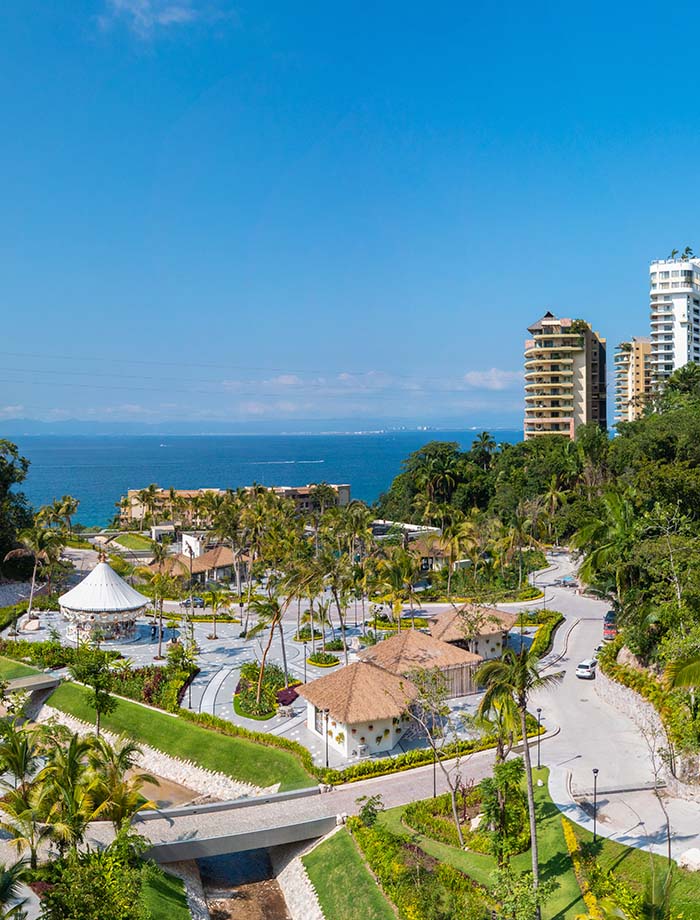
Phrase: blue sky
(277, 211)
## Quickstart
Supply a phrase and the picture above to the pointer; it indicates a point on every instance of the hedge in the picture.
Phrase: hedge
(363, 769)
(550, 620)
(14, 611)
(572, 846)
(206, 720)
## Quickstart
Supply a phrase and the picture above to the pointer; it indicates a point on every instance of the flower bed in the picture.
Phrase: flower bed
(335, 645)
(246, 714)
(304, 635)
(157, 686)
(433, 818)
(575, 853)
(414, 881)
(323, 660)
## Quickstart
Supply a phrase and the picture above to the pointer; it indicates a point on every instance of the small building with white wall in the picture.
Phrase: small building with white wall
(361, 708)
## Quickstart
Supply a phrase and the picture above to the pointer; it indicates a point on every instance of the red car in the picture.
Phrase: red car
(609, 631)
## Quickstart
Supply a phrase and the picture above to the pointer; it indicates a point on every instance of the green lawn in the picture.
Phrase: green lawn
(633, 867)
(555, 863)
(134, 541)
(236, 757)
(163, 897)
(10, 669)
(346, 889)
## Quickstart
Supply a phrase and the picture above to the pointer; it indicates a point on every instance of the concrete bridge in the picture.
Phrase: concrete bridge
(33, 682)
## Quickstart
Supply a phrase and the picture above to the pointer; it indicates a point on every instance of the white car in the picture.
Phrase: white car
(586, 669)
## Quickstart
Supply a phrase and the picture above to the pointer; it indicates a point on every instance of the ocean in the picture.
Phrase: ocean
(99, 470)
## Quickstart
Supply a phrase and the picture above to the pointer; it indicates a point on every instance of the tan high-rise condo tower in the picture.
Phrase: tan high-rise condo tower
(633, 378)
(564, 377)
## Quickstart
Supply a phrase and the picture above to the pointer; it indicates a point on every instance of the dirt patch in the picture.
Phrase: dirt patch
(257, 901)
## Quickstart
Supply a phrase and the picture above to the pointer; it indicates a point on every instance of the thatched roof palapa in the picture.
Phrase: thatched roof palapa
(452, 626)
(411, 650)
(360, 692)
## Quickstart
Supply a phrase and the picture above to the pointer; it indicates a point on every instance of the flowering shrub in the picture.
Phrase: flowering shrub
(419, 886)
(323, 659)
(575, 853)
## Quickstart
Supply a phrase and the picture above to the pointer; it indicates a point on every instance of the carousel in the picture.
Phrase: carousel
(102, 603)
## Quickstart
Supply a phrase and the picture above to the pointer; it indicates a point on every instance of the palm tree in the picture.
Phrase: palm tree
(515, 677)
(553, 499)
(69, 801)
(148, 498)
(20, 751)
(458, 537)
(228, 525)
(11, 878)
(269, 613)
(214, 598)
(38, 542)
(396, 576)
(484, 446)
(117, 796)
(606, 541)
(68, 507)
(518, 536)
(22, 820)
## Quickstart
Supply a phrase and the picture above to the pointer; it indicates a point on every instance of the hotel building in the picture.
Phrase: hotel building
(675, 315)
(633, 382)
(565, 383)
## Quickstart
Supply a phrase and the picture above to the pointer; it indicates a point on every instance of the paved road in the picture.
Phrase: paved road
(591, 733)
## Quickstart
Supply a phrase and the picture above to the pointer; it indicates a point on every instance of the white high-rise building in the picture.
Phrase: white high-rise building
(675, 315)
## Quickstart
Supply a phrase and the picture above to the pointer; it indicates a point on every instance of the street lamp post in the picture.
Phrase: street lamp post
(305, 645)
(595, 804)
(326, 712)
(539, 725)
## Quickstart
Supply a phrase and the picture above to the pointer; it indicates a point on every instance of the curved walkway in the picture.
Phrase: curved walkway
(591, 733)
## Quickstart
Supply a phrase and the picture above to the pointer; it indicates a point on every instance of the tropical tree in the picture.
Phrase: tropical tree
(606, 542)
(458, 537)
(39, 543)
(483, 447)
(20, 751)
(215, 599)
(11, 878)
(396, 575)
(69, 799)
(515, 677)
(115, 784)
(91, 667)
(22, 820)
(67, 508)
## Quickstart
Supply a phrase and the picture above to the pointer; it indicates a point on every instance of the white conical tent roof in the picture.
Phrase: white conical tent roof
(102, 591)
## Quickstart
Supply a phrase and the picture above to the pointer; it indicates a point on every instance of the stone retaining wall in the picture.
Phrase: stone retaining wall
(183, 772)
(196, 899)
(645, 716)
(299, 894)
